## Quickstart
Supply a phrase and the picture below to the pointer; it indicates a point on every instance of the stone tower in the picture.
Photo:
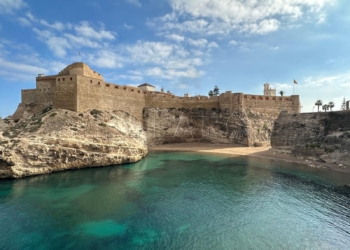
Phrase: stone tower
(268, 91)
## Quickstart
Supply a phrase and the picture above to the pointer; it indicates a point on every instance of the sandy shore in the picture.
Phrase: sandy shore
(260, 152)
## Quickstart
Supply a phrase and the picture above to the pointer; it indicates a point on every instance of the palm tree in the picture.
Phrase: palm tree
(331, 105)
(281, 92)
(325, 107)
(318, 104)
(216, 91)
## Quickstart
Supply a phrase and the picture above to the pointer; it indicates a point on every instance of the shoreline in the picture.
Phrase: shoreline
(239, 150)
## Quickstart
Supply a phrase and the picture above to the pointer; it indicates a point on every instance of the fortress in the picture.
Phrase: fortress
(79, 88)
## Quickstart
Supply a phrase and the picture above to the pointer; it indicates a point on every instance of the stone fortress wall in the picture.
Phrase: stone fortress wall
(79, 88)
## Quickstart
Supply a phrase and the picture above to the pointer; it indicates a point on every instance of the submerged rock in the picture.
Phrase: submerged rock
(61, 139)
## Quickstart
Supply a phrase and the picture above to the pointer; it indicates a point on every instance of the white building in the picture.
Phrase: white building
(268, 91)
(147, 87)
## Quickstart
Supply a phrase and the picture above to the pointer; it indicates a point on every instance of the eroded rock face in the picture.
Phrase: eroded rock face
(207, 125)
(3, 125)
(60, 139)
(316, 136)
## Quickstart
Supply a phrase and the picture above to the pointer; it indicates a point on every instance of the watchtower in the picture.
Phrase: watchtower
(268, 91)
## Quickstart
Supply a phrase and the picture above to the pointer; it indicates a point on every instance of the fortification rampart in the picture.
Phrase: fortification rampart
(29, 96)
(271, 104)
(66, 93)
(79, 88)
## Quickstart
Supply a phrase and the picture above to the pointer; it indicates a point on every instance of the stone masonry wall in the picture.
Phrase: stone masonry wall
(272, 104)
(29, 95)
(65, 96)
(97, 94)
(46, 87)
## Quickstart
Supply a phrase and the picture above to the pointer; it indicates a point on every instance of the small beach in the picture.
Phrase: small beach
(239, 150)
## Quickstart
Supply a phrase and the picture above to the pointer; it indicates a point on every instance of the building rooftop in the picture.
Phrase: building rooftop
(146, 84)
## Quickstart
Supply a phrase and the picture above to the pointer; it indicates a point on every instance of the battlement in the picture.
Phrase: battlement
(78, 88)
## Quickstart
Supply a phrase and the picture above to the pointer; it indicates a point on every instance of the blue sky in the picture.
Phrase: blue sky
(185, 46)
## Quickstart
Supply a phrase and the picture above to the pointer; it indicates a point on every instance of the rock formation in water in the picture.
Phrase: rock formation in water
(170, 125)
(318, 136)
(56, 140)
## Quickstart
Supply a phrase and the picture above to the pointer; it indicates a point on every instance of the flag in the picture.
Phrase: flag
(295, 82)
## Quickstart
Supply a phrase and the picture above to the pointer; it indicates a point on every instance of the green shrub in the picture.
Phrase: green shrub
(6, 133)
(329, 150)
(82, 115)
(74, 129)
(45, 110)
(95, 112)
(102, 124)
(53, 114)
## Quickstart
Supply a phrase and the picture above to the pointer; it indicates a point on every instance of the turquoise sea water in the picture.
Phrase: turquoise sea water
(178, 201)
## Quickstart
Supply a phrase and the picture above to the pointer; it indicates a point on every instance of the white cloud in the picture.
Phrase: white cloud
(321, 81)
(198, 43)
(151, 52)
(106, 59)
(134, 2)
(274, 48)
(172, 73)
(56, 25)
(175, 37)
(213, 45)
(8, 6)
(84, 29)
(15, 66)
(130, 77)
(251, 16)
(128, 27)
(82, 41)
(263, 27)
(24, 21)
(321, 18)
(345, 84)
(232, 43)
(58, 45)
(30, 19)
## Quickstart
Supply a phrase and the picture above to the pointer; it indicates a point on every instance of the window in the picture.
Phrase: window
(59, 79)
(90, 81)
(71, 78)
(63, 79)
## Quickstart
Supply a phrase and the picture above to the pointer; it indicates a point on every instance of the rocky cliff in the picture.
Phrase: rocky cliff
(56, 140)
(317, 136)
(3, 125)
(170, 125)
